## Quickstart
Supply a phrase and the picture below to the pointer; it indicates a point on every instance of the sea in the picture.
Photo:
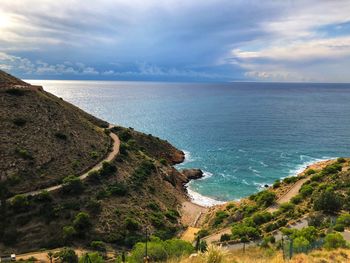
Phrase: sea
(242, 135)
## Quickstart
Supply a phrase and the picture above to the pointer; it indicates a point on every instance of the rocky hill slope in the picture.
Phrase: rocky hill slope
(46, 141)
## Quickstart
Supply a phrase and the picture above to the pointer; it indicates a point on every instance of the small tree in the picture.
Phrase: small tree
(82, 222)
(334, 240)
(328, 202)
(72, 184)
(67, 255)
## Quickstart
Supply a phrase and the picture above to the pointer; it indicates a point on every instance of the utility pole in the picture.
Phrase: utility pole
(146, 258)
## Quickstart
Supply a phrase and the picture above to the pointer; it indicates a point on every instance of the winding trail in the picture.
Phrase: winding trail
(111, 155)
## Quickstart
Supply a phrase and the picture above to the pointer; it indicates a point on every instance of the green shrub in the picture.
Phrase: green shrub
(310, 172)
(301, 244)
(125, 135)
(67, 255)
(276, 184)
(339, 228)
(265, 198)
(260, 218)
(19, 122)
(94, 155)
(68, 233)
(341, 160)
(131, 224)
(94, 176)
(82, 222)
(43, 197)
(72, 184)
(20, 203)
(334, 241)
(242, 231)
(290, 180)
(161, 251)
(143, 172)
(163, 161)
(344, 219)
(16, 92)
(153, 206)
(95, 257)
(61, 136)
(94, 206)
(306, 190)
(328, 202)
(316, 177)
(202, 233)
(219, 217)
(286, 207)
(225, 237)
(98, 246)
(172, 215)
(107, 169)
(297, 199)
(118, 189)
(24, 154)
(332, 169)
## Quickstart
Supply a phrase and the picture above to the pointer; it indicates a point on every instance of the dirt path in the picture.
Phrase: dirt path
(190, 215)
(42, 255)
(110, 157)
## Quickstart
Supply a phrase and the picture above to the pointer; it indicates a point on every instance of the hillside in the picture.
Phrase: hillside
(44, 139)
(45, 142)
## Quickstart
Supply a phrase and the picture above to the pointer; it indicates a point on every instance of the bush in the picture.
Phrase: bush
(339, 228)
(341, 160)
(125, 135)
(316, 177)
(332, 169)
(328, 202)
(20, 203)
(334, 241)
(15, 92)
(344, 219)
(225, 237)
(297, 199)
(61, 136)
(67, 255)
(286, 207)
(265, 198)
(143, 172)
(301, 244)
(94, 155)
(306, 190)
(276, 184)
(243, 231)
(260, 218)
(107, 169)
(290, 180)
(95, 257)
(82, 222)
(310, 172)
(68, 233)
(214, 254)
(118, 189)
(19, 122)
(98, 245)
(163, 161)
(131, 224)
(219, 217)
(160, 251)
(24, 154)
(72, 184)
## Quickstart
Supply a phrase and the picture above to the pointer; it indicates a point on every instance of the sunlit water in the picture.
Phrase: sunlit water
(243, 135)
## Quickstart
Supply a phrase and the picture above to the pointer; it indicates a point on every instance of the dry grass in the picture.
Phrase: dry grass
(257, 255)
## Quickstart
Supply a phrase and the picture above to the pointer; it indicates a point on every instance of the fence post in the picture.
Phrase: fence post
(291, 248)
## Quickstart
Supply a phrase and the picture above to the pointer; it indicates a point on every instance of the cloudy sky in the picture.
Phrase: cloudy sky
(177, 40)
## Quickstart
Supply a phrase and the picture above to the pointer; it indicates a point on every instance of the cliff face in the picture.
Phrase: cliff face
(44, 141)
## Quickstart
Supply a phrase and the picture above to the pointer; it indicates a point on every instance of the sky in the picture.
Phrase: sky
(177, 40)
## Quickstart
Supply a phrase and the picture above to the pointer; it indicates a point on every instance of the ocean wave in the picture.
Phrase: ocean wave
(188, 158)
(260, 186)
(244, 181)
(202, 200)
(301, 167)
(263, 164)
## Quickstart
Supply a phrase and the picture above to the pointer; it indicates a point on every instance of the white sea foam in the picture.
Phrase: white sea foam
(263, 164)
(260, 186)
(202, 200)
(300, 168)
(188, 158)
(199, 199)
(245, 182)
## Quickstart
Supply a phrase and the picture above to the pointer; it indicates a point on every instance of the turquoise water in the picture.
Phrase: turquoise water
(243, 135)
